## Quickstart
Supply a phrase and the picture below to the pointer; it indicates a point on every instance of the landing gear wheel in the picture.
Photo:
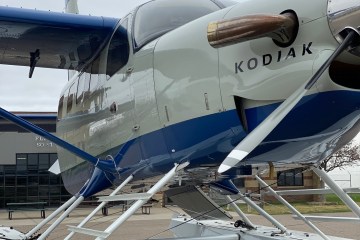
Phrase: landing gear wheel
(238, 223)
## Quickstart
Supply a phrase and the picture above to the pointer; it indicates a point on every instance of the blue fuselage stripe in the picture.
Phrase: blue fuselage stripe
(206, 141)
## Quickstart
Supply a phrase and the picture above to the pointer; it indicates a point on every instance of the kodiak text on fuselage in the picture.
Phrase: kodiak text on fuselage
(268, 58)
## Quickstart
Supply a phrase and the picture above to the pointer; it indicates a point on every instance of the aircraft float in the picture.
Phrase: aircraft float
(201, 88)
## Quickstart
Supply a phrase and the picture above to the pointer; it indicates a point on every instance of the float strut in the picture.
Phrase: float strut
(261, 211)
(126, 181)
(157, 187)
(338, 191)
(292, 209)
(61, 218)
(241, 214)
(50, 217)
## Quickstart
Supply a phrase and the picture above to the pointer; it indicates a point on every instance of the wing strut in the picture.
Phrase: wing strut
(105, 165)
(264, 129)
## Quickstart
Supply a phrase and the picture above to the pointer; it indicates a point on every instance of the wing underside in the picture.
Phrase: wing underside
(50, 39)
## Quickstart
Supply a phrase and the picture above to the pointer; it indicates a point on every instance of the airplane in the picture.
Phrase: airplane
(211, 86)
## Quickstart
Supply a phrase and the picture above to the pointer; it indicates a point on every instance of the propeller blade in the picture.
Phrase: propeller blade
(262, 131)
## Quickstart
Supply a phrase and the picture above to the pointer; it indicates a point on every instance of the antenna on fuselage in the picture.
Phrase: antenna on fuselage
(71, 6)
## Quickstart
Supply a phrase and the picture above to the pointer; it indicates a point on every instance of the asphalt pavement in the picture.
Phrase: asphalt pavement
(155, 225)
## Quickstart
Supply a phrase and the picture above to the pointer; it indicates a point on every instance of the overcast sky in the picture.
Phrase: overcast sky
(41, 92)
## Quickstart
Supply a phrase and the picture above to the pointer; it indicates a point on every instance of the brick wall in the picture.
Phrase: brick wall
(310, 181)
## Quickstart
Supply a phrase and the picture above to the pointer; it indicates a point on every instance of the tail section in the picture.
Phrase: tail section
(71, 6)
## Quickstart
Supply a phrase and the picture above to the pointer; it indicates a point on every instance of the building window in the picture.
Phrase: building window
(293, 177)
(30, 181)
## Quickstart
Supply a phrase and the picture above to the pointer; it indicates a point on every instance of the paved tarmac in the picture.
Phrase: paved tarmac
(155, 225)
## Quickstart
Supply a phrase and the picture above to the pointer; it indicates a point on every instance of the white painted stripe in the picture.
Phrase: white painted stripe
(223, 168)
(237, 154)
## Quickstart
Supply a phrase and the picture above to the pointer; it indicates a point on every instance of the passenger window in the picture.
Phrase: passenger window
(95, 71)
(83, 86)
(80, 88)
(87, 81)
(93, 82)
(71, 93)
(60, 107)
(118, 53)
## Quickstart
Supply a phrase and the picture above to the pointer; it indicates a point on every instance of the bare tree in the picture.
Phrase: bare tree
(349, 155)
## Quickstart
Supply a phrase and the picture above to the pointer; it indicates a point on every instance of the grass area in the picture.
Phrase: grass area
(333, 205)
(334, 199)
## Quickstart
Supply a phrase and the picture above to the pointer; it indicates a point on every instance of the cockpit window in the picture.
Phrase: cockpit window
(156, 18)
(118, 53)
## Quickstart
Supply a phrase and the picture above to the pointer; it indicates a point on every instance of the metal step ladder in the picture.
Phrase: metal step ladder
(141, 199)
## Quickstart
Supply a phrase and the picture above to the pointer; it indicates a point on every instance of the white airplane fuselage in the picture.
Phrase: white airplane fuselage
(179, 99)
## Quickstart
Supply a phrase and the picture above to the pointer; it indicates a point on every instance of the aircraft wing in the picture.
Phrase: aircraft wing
(49, 39)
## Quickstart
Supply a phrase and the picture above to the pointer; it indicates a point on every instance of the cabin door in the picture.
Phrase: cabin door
(148, 127)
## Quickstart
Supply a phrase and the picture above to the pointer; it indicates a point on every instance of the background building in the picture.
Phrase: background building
(24, 162)
(347, 177)
(291, 179)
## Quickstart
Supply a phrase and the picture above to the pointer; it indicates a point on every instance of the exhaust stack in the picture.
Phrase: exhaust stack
(281, 28)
